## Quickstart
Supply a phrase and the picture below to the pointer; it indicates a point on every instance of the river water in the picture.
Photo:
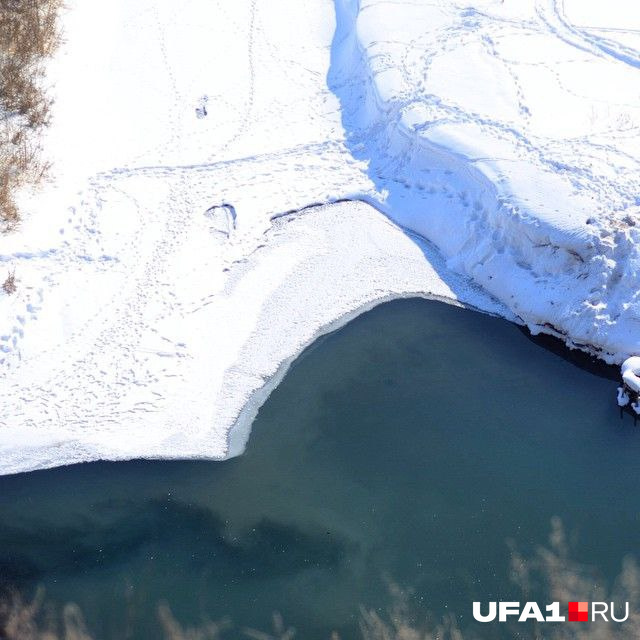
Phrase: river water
(406, 449)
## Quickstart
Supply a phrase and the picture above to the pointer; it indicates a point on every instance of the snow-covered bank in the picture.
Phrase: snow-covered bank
(161, 293)
(507, 132)
(315, 271)
(351, 258)
(117, 340)
(142, 322)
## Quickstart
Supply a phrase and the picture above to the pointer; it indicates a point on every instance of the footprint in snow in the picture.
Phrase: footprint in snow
(201, 109)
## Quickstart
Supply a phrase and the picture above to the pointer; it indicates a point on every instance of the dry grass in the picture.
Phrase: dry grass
(550, 569)
(564, 580)
(401, 622)
(29, 34)
(173, 630)
(34, 620)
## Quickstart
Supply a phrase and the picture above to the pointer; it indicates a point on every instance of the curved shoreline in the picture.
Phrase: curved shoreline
(152, 321)
(314, 271)
(350, 213)
(240, 432)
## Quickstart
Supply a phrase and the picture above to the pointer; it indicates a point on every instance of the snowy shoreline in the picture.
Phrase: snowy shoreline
(179, 263)
(394, 269)
(468, 166)
(304, 255)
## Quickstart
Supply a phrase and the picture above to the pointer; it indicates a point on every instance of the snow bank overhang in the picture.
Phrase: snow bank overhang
(504, 133)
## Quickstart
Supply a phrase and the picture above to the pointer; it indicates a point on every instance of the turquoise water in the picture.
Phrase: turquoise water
(407, 447)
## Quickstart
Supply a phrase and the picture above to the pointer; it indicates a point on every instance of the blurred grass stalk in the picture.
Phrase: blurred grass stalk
(550, 571)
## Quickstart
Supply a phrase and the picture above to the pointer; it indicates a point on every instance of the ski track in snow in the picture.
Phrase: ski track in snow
(158, 305)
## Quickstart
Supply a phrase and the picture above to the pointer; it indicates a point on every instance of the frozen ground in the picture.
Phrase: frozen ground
(161, 291)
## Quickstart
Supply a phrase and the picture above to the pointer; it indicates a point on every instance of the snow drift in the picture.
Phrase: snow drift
(508, 134)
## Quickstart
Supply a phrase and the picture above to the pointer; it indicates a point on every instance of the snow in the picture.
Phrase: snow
(622, 397)
(176, 264)
(630, 370)
(316, 270)
(507, 134)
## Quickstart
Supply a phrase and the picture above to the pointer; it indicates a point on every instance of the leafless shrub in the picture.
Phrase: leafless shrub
(9, 285)
(28, 35)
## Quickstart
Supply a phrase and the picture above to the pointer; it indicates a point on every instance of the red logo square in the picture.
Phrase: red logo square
(578, 612)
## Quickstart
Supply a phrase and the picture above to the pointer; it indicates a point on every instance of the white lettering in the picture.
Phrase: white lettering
(554, 610)
(531, 610)
(507, 609)
(599, 609)
(477, 613)
(626, 615)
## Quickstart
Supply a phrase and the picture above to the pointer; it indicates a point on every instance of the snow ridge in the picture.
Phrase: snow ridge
(485, 130)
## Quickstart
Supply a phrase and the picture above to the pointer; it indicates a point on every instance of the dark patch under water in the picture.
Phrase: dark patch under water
(409, 446)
